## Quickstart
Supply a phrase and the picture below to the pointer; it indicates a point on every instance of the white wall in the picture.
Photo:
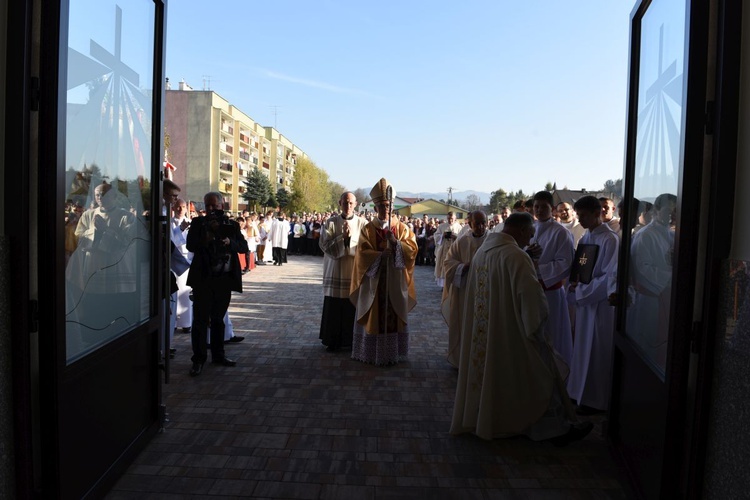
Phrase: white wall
(741, 231)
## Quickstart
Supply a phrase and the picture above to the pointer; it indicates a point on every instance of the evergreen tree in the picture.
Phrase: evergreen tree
(271, 202)
(282, 197)
(258, 188)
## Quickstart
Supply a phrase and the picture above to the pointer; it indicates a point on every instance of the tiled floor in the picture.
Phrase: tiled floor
(294, 421)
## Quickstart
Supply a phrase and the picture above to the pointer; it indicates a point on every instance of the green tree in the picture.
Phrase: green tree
(258, 188)
(309, 187)
(335, 190)
(549, 186)
(282, 197)
(271, 202)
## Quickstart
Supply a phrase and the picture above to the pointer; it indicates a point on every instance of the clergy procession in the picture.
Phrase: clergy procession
(525, 296)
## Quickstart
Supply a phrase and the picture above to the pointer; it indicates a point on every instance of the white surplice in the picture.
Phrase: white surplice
(278, 236)
(554, 269)
(591, 367)
(441, 248)
(651, 278)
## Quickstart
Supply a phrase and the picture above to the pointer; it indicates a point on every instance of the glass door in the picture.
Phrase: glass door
(100, 157)
(657, 265)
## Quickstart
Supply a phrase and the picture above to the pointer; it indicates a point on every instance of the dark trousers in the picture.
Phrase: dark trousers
(210, 304)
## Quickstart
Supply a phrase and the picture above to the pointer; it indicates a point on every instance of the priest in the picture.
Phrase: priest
(457, 264)
(338, 241)
(509, 379)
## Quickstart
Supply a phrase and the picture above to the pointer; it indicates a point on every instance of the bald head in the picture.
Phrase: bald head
(478, 223)
(520, 225)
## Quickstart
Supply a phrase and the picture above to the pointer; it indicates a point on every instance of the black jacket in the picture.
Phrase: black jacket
(201, 240)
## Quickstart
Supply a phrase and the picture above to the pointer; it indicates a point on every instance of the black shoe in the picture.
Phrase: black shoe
(224, 362)
(587, 410)
(187, 329)
(196, 369)
(244, 271)
(234, 340)
(575, 433)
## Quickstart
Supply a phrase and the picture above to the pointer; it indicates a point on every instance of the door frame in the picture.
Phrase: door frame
(669, 418)
(56, 377)
(17, 195)
(723, 119)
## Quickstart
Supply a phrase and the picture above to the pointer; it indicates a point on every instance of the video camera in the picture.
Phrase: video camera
(219, 224)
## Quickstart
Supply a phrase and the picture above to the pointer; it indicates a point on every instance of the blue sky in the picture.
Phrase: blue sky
(477, 94)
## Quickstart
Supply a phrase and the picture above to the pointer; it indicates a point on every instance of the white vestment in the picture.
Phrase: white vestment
(264, 230)
(457, 263)
(554, 269)
(651, 279)
(442, 245)
(184, 309)
(508, 382)
(591, 367)
(338, 254)
(279, 234)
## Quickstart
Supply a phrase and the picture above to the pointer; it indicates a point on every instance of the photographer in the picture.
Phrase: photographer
(214, 273)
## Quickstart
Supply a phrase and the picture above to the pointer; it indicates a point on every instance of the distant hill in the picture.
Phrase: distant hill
(457, 195)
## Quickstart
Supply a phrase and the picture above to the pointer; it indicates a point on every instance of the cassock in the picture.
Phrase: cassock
(591, 366)
(442, 245)
(508, 379)
(279, 238)
(337, 322)
(651, 279)
(383, 293)
(454, 292)
(554, 269)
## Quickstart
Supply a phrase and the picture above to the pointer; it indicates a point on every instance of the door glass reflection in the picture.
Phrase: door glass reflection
(657, 172)
(107, 171)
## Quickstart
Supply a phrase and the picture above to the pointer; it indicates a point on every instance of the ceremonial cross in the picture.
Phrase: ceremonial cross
(582, 260)
(114, 61)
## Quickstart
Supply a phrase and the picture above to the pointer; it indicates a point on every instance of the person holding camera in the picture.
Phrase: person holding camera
(214, 274)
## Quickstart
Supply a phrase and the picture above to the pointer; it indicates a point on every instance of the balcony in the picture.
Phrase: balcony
(226, 148)
(255, 161)
(227, 167)
(245, 156)
(244, 138)
(225, 187)
(266, 165)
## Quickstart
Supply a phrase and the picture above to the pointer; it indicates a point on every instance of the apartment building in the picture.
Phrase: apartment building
(214, 146)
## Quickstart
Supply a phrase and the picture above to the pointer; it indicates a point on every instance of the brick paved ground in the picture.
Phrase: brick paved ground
(294, 421)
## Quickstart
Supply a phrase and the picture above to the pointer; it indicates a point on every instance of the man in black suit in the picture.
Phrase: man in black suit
(214, 273)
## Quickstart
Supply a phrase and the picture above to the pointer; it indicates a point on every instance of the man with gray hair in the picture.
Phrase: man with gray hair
(214, 274)
(338, 240)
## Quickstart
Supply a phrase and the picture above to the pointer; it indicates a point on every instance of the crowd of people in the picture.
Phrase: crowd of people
(527, 292)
